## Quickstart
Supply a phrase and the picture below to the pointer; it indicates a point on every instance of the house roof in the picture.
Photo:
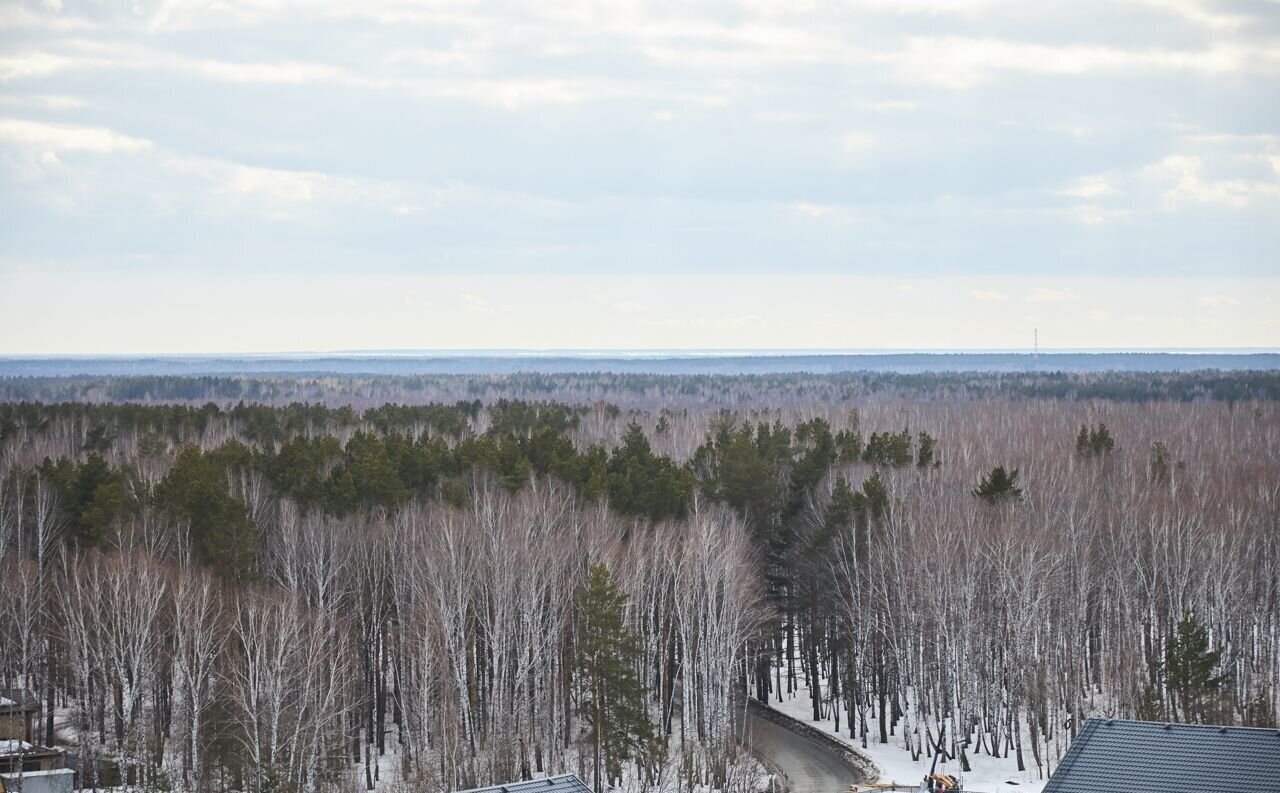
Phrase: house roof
(17, 699)
(15, 748)
(1120, 756)
(28, 774)
(565, 783)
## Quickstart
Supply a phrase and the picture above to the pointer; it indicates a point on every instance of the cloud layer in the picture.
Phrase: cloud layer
(965, 139)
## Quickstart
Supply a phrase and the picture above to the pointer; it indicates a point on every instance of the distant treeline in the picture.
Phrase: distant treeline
(729, 363)
(654, 389)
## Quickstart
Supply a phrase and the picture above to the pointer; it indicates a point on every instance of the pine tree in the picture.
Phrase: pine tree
(195, 491)
(1258, 712)
(1149, 707)
(1100, 440)
(1158, 467)
(1082, 441)
(1000, 485)
(612, 701)
(1094, 441)
(1189, 668)
(925, 454)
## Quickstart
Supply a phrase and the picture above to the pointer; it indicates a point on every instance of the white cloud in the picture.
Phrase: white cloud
(66, 137)
(1094, 215)
(1089, 187)
(987, 296)
(41, 64)
(892, 106)
(549, 137)
(831, 213)
(46, 101)
(619, 306)
(1218, 301)
(958, 61)
(475, 304)
(281, 185)
(515, 93)
(274, 183)
(857, 145)
(289, 72)
(279, 310)
(1042, 294)
(1183, 175)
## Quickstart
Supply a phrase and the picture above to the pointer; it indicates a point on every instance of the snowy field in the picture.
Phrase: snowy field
(989, 774)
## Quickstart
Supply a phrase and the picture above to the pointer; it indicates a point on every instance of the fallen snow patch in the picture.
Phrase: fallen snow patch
(988, 775)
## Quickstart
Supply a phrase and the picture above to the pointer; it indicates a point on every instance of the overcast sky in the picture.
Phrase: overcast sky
(201, 176)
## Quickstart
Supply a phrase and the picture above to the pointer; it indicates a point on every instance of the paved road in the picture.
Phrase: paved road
(809, 768)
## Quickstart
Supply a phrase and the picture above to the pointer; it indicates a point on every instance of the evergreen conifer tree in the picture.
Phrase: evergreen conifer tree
(1158, 466)
(1150, 708)
(1258, 712)
(1094, 441)
(1000, 485)
(1190, 668)
(612, 699)
(925, 454)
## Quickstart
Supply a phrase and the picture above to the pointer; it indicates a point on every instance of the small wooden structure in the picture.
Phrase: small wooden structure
(20, 756)
(55, 780)
(18, 711)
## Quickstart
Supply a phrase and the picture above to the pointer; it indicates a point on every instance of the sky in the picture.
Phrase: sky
(219, 176)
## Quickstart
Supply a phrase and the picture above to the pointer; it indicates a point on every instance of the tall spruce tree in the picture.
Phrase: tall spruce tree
(1190, 669)
(1094, 441)
(612, 700)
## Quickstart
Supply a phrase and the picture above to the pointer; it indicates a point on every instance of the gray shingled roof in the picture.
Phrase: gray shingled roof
(565, 783)
(1119, 756)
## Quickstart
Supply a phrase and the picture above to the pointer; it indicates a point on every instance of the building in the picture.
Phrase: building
(27, 768)
(565, 783)
(55, 780)
(18, 756)
(1121, 756)
(19, 709)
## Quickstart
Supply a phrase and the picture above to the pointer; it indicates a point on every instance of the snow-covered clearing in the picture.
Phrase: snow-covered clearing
(989, 774)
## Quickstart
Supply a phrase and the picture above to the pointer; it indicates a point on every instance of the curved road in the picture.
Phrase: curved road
(808, 767)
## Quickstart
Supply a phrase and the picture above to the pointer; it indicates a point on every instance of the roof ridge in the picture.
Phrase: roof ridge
(1173, 724)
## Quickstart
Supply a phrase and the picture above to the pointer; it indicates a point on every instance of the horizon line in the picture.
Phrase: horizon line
(643, 352)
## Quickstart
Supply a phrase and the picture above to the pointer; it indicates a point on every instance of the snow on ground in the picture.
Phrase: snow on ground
(745, 774)
(989, 774)
(387, 768)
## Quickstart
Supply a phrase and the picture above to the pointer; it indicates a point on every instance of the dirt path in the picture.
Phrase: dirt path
(808, 766)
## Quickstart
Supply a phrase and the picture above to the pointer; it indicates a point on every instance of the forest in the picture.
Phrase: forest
(291, 584)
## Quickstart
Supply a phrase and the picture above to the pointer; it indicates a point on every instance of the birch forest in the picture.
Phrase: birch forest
(427, 586)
